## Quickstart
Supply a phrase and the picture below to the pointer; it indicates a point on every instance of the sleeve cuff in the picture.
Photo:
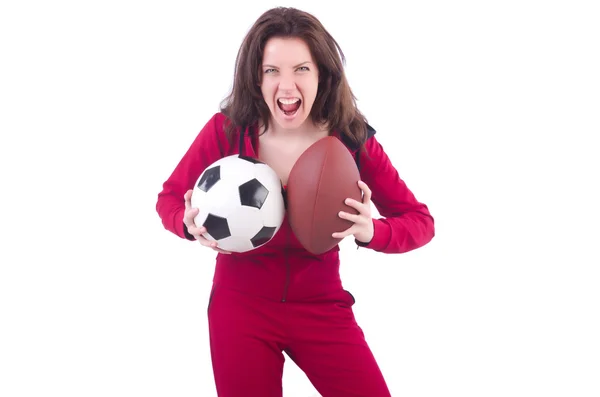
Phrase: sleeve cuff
(381, 236)
(181, 229)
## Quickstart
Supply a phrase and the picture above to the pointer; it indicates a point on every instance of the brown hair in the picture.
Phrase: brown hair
(334, 104)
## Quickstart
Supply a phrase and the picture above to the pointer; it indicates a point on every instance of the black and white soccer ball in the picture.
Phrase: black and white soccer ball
(240, 201)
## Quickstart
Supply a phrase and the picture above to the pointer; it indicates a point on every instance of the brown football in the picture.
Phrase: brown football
(319, 182)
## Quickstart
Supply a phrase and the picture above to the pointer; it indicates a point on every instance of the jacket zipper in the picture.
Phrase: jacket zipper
(287, 267)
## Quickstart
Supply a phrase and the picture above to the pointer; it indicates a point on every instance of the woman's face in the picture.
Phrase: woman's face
(290, 80)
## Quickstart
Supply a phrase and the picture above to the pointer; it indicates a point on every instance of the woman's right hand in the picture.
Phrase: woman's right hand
(188, 219)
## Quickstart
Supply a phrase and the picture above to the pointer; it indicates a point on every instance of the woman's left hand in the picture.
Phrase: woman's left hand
(362, 229)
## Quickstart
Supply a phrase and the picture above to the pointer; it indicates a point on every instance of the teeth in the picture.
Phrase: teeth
(288, 101)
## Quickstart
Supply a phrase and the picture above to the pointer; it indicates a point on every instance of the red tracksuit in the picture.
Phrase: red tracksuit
(281, 298)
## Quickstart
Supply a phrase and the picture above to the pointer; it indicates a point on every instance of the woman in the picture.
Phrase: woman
(289, 91)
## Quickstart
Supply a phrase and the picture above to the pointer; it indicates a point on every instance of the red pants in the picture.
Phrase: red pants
(248, 335)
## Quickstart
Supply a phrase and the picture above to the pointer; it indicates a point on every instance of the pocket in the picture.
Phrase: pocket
(352, 299)
(210, 298)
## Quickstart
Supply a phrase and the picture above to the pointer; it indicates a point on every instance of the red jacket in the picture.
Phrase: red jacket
(282, 268)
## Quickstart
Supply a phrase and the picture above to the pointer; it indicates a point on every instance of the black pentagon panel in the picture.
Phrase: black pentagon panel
(250, 159)
(253, 194)
(209, 178)
(263, 236)
(217, 227)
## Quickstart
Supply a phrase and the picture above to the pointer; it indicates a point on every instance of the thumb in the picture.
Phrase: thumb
(187, 197)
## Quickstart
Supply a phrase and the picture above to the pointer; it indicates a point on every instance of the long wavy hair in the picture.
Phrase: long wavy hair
(334, 105)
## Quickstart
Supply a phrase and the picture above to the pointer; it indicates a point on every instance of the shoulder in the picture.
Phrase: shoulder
(214, 131)
(372, 151)
(217, 123)
(352, 146)
(221, 122)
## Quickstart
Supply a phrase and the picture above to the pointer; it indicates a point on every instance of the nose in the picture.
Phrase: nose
(287, 82)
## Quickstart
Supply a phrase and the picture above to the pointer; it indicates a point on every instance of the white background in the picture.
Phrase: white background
(487, 109)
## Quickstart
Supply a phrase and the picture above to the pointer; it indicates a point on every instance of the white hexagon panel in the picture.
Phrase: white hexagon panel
(240, 202)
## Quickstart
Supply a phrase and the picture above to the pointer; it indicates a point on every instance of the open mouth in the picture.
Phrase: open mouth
(289, 107)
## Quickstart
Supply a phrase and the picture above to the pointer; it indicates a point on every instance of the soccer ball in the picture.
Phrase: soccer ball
(240, 201)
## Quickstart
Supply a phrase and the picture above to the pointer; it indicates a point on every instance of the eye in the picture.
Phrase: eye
(270, 70)
(304, 68)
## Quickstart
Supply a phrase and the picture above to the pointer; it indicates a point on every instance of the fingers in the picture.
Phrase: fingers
(359, 220)
(213, 245)
(363, 208)
(345, 233)
(188, 197)
(354, 218)
(209, 243)
(189, 214)
(191, 226)
(203, 240)
(366, 191)
(188, 219)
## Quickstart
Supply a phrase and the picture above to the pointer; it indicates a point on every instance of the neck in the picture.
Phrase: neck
(305, 130)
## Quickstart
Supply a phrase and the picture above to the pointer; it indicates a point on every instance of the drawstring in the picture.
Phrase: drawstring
(242, 134)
